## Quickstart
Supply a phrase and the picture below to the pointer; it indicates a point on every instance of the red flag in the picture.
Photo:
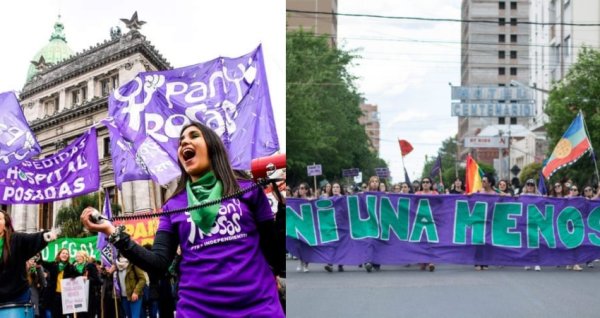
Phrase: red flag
(405, 147)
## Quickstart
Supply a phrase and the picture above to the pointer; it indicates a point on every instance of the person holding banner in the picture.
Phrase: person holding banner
(15, 249)
(336, 191)
(226, 249)
(426, 189)
(90, 272)
(59, 269)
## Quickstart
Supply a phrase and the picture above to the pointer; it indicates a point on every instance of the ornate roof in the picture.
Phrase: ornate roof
(92, 58)
(55, 51)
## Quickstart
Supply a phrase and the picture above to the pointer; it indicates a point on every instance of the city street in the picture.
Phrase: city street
(450, 291)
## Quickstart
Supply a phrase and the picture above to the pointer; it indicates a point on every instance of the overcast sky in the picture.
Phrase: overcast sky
(406, 73)
(185, 32)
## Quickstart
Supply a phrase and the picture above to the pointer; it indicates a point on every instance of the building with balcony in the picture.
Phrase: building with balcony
(66, 93)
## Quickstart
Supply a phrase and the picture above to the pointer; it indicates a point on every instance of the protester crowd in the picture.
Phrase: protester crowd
(562, 189)
(120, 290)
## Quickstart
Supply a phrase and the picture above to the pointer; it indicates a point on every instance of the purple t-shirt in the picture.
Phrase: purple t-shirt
(224, 273)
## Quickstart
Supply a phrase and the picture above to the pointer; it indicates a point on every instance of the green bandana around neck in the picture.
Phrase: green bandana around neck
(61, 266)
(1, 246)
(80, 267)
(204, 189)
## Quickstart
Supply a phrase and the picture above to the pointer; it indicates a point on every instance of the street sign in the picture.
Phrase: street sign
(352, 172)
(491, 93)
(493, 109)
(486, 142)
(382, 172)
(314, 170)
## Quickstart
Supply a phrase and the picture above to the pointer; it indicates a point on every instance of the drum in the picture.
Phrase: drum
(17, 310)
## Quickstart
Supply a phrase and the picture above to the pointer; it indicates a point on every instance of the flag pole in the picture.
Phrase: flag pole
(591, 146)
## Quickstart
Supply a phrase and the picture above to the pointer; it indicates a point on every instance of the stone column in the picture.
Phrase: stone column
(90, 89)
(19, 216)
(62, 99)
(32, 218)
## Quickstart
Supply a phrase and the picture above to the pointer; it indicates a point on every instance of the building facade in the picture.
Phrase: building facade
(493, 54)
(370, 120)
(312, 19)
(555, 46)
(65, 94)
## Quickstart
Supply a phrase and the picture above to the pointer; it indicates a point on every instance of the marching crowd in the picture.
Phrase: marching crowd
(560, 189)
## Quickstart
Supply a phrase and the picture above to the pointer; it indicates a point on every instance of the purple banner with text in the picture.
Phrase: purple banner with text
(17, 142)
(229, 95)
(459, 229)
(71, 172)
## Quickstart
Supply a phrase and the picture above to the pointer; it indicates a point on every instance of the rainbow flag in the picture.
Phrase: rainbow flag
(473, 176)
(572, 145)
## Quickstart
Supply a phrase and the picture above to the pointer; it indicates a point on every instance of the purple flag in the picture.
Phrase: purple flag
(542, 185)
(126, 165)
(17, 142)
(71, 172)
(229, 95)
(436, 168)
(107, 251)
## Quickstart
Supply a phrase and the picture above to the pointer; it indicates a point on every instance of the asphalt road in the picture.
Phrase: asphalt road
(449, 291)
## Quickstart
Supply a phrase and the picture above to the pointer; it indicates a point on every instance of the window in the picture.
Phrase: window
(513, 71)
(501, 71)
(513, 120)
(513, 38)
(115, 82)
(513, 54)
(74, 97)
(83, 94)
(501, 120)
(501, 85)
(105, 86)
(106, 144)
(513, 6)
(46, 212)
(513, 21)
(501, 54)
(501, 38)
(50, 106)
(501, 5)
(501, 21)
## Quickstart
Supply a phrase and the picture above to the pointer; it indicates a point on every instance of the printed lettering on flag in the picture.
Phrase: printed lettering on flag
(17, 142)
(72, 172)
(229, 95)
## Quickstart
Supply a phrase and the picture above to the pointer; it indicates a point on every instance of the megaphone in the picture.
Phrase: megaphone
(263, 167)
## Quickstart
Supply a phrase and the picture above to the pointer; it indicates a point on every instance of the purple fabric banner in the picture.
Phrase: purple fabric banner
(17, 142)
(230, 95)
(476, 229)
(71, 172)
(107, 251)
(126, 165)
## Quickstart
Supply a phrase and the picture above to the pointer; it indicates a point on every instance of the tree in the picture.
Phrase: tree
(579, 90)
(323, 110)
(68, 220)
